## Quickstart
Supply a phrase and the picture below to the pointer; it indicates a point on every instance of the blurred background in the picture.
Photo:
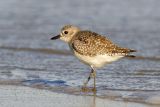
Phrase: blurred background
(134, 24)
(27, 54)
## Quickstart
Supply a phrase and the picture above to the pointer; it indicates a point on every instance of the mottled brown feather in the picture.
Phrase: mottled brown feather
(91, 44)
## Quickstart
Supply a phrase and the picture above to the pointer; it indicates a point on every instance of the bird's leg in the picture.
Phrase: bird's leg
(84, 88)
(93, 75)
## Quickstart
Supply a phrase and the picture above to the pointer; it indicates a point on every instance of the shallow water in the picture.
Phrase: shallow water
(28, 56)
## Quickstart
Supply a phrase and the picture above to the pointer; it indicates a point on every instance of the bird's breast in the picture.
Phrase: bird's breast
(98, 60)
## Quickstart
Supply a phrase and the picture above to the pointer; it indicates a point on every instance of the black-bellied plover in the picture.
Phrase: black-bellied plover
(92, 49)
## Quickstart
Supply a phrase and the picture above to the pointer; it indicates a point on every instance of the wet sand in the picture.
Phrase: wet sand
(18, 96)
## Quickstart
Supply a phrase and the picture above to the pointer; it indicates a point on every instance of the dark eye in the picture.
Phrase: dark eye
(65, 32)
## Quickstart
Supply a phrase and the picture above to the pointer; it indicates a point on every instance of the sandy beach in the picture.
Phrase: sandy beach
(18, 96)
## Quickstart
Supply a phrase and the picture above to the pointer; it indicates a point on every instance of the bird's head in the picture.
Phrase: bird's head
(67, 32)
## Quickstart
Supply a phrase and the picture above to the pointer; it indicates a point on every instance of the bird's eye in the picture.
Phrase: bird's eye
(65, 32)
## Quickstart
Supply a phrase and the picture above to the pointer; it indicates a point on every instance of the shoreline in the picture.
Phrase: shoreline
(32, 97)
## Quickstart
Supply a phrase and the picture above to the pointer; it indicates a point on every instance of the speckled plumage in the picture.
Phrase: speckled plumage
(91, 48)
(91, 44)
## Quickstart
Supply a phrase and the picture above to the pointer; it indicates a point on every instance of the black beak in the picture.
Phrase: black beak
(55, 37)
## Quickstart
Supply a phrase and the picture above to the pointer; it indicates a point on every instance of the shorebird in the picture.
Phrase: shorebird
(92, 49)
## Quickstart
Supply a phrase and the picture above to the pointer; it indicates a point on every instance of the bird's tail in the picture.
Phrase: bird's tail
(130, 51)
(130, 56)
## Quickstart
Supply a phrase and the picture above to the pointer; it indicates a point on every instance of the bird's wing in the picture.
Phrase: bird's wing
(91, 44)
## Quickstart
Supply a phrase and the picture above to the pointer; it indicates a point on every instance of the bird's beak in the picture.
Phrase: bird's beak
(56, 37)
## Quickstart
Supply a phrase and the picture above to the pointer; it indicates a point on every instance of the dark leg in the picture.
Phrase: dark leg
(92, 74)
(84, 88)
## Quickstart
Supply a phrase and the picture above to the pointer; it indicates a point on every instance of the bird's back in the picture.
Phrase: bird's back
(91, 44)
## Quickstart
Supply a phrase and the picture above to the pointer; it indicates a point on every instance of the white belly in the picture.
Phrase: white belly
(97, 61)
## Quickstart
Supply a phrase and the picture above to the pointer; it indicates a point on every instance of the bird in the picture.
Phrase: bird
(92, 49)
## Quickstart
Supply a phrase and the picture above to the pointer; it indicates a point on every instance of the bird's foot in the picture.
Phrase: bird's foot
(85, 89)
(94, 90)
(88, 89)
